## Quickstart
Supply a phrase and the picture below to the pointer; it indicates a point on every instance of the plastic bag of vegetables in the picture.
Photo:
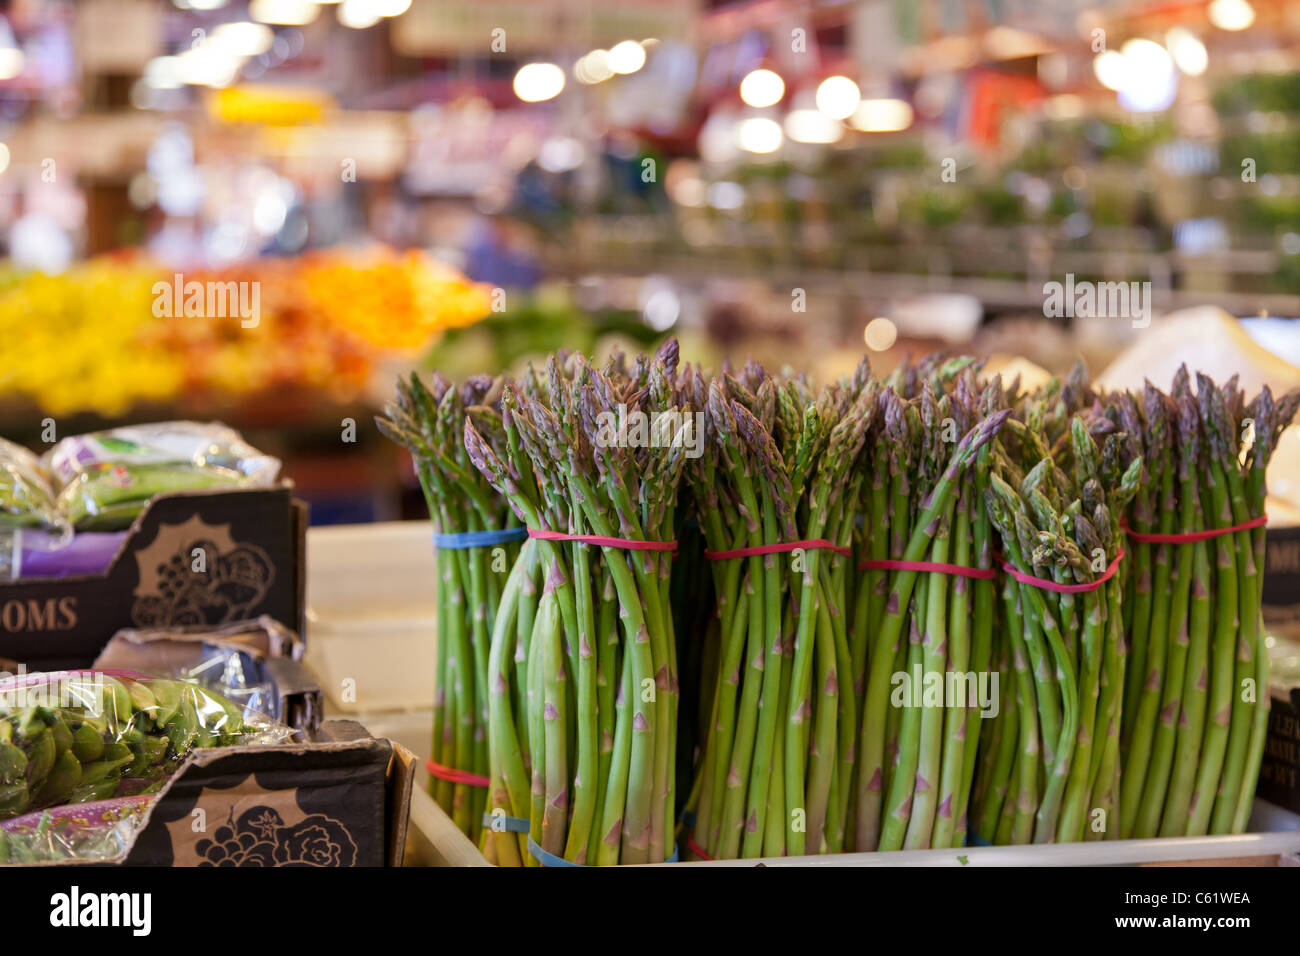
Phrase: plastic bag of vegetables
(104, 479)
(26, 495)
(83, 832)
(81, 736)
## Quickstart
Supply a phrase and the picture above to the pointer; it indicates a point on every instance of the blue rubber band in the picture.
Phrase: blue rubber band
(550, 859)
(459, 540)
(688, 818)
(512, 824)
(974, 839)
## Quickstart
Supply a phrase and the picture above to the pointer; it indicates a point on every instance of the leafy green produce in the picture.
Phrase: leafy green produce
(531, 329)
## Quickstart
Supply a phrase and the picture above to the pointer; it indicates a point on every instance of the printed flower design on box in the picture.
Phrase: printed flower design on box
(179, 587)
(261, 837)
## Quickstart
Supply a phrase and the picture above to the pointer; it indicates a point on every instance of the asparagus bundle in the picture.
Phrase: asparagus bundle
(582, 667)
(428, 422)
(916, 763)
(789, 681)
(1196, 703)
(774, 772)
(1055, 761)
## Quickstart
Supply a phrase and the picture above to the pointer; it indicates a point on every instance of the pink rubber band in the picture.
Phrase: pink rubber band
(1065, 588)
(1193, 536)
(939, 567)
(696, 848)
(812, 544)
(453, 775)
(630, 544)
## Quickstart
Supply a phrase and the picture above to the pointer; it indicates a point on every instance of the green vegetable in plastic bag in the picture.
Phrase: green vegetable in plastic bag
(105, 479)
(75, 737)
(26, 496)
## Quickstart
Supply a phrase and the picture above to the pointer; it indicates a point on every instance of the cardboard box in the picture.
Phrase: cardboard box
(1279, 773)
(339, 798)
(1282, 574)
(342, 799)
(190, 558)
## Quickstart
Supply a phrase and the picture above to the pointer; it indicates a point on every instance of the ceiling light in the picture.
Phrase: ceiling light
(882, 116)
(812, 126)
(1231, 14)
(359, 14)
(762, 88)
(759, 134)
(164, 73)
(284, 12)
(593, 68)
(838, 97)
(536, 82)
(244, 38)
(626, 57)
(1111, 69)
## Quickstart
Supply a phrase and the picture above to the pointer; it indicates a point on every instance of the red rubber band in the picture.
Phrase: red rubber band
(812, 544)
(1193, 536)
(631, 544)
(962, 570)
(696, 848)
(456, 776)
(1065, 588)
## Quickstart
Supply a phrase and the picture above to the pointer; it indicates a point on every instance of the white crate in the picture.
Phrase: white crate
(371, 616)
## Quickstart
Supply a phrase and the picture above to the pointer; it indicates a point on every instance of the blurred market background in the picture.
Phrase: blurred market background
(462, 184)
